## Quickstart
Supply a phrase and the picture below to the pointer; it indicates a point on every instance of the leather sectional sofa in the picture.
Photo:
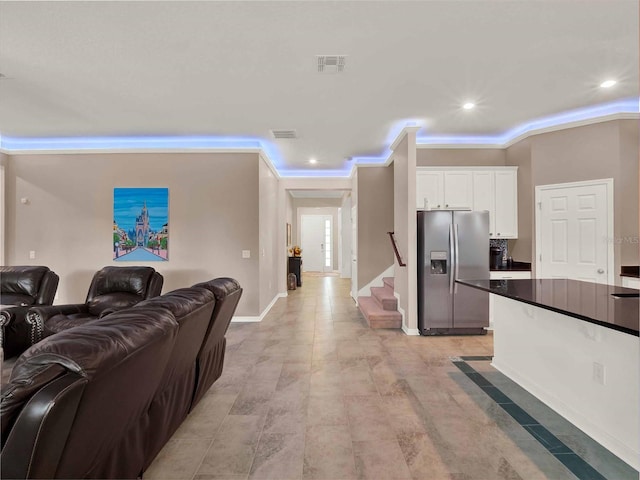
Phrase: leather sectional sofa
(99, 400)
(22, 287)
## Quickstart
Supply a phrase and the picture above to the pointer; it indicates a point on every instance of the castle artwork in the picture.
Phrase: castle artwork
(140, 224)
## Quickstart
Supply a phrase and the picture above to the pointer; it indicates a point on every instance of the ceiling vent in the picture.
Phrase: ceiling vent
(287, 134)
(331, 63)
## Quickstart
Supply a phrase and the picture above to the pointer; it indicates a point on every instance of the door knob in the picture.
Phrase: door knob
(601, 270)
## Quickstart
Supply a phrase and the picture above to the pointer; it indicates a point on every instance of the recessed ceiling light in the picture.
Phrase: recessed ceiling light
(608, 83)
(468, 106)
(313, 161)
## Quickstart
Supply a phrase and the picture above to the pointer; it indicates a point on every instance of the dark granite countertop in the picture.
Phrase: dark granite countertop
(514, 267)
(630, 271)
(592, 302)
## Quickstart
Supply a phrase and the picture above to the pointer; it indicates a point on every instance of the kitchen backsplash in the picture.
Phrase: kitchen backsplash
(501, 243)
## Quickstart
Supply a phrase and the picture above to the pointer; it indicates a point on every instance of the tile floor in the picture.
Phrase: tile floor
(312, 393)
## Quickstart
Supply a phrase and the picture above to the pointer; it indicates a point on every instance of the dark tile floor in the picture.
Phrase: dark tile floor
(312, 393)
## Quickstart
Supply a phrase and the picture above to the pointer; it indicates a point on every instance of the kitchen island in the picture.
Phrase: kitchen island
(575, 346)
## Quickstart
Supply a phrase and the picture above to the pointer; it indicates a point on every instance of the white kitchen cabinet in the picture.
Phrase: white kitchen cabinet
(430, 190)
(503, 275)
(458, 189)
(484, 195)
(506, 204)
(631, 282)
(494, 189)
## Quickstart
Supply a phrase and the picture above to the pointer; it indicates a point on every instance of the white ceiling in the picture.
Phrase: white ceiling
(242, 68)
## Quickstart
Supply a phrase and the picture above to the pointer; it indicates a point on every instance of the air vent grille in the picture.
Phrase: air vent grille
(284, 134)
(331, 63)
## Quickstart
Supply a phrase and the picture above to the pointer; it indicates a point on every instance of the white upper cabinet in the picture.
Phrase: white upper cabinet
(458, 187)
(484, 195)
(430, 190)
(506, 204)
(494, 189)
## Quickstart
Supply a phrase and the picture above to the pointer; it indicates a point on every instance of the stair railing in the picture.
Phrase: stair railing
(394, 244)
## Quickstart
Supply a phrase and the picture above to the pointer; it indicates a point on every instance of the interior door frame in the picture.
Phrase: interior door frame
(608, 183)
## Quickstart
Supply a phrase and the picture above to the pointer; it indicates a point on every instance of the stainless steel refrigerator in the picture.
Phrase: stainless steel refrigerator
(452, 245)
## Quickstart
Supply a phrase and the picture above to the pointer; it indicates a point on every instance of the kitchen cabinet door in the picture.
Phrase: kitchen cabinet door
(483, 196)
(458, 189)
(430, 190)
(506, 204)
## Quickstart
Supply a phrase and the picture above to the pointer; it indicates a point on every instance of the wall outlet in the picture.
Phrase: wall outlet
(246, 253)
(598, 373)
(32, 254)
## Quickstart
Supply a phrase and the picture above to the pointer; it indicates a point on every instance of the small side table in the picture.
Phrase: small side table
(295, 266)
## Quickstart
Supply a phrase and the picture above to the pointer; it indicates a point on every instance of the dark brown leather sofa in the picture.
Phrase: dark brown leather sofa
(27, 285)
(112, 289)
(20, 288)
(140, 365)
(210, 358)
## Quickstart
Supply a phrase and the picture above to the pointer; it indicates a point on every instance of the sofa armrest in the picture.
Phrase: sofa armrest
(37, 317)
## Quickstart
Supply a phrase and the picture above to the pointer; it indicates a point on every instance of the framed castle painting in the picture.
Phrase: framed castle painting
(140, 224)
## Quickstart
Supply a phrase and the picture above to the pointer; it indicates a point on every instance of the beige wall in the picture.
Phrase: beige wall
(463, 157)
(269, 247)
(375, 219)
(597, 151)
(213, 216)
(519, 155)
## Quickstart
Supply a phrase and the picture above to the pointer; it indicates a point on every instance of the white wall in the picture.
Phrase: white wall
(213, 216)
(270, 235)
(345, 231)
(404, 226)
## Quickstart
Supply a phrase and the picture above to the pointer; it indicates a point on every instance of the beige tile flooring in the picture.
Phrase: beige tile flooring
(312, 393)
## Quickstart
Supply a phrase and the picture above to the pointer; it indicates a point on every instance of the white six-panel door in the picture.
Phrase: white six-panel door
(574, 225)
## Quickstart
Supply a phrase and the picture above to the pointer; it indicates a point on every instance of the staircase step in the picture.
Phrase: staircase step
(384, 296)
(388, 281)
(377, 317)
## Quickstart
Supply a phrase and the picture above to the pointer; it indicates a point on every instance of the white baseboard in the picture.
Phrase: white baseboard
(258, 318)
(376, 282)
(410, 331)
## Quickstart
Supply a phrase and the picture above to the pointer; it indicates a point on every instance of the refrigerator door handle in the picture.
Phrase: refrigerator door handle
(452, 254)
(455, 236)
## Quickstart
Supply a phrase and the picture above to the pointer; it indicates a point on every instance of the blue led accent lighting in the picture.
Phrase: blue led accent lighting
(195, 142)
(630, 105)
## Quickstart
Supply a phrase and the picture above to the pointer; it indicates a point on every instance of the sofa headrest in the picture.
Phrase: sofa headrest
(122, 279)
(221, 287)
(180, 302)
(23, 280)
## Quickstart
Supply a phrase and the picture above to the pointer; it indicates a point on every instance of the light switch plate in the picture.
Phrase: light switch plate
(246, 253)
(32, 254)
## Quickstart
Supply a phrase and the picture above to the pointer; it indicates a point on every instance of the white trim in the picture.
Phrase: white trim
(405, 329)
(376, 282)
(608, 183)
(401, 135)
(477, 168)
(265, 158)
(410, 331)
(258, 318)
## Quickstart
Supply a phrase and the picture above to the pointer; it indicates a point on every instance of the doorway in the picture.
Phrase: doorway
(574, 225)
(316, 233)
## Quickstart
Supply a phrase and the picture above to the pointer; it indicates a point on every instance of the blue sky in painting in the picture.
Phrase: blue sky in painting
(128, 202)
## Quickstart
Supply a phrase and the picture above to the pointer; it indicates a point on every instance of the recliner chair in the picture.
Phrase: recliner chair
(20, 288)
(27, 285)
(210, 359)
(112, 289)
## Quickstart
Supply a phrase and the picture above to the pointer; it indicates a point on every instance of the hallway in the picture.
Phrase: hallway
(312, 393)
